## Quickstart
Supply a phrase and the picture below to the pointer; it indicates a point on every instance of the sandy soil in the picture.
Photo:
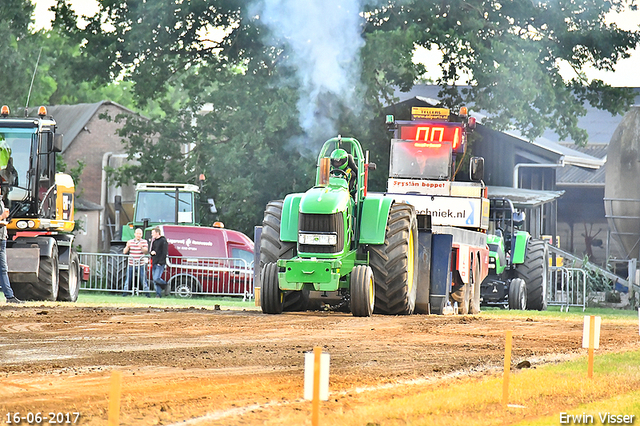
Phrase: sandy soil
(242, 367)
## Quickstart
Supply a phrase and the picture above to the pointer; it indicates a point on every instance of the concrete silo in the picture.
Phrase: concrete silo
(622, 184)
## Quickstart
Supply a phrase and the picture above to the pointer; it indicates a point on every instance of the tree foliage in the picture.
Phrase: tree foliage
(44, 65)
(511, 54)
(229, 84)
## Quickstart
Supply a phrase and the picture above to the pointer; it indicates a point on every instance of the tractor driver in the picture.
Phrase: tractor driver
(341, 160)
(8, 173)
(518, 218)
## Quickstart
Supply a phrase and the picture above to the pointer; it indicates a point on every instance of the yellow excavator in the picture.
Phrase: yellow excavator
(43, 265)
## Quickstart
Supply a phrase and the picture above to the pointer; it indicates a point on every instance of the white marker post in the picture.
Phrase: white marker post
(591, 338)
(316, 380)
(639, 321)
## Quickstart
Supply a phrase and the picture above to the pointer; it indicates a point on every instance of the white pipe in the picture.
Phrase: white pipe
(103, 196)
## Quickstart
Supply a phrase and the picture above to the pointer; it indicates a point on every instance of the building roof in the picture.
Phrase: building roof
(523, 198)
(72, 119)
(600, 125)
(570, 156)
(572, 176)
(82, 204)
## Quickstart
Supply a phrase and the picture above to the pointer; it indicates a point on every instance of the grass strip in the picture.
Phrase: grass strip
(92, 299)
(627, 404)
(555, 313)
(537, 397)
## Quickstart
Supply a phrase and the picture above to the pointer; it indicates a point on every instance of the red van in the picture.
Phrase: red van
(208, 261)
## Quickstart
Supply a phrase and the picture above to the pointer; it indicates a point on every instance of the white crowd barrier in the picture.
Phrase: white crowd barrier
(185, 276)
(567, 288)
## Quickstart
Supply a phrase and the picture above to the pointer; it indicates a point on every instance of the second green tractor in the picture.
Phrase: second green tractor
(518, 264)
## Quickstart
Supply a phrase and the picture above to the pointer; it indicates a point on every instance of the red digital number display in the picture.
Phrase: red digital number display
(437, 132)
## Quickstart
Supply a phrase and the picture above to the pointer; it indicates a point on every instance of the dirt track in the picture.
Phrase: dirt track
(243, 367)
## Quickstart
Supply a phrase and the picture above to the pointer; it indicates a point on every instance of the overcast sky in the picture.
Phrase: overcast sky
(627, 72)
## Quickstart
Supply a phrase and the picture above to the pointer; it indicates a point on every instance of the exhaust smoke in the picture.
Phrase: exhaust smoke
(323, 39)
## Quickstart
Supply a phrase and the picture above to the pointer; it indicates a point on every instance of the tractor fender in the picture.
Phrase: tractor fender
(373, 218)
(519, 247)
(289, 220)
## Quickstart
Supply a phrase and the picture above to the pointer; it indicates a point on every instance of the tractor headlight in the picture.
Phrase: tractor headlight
(24, 224)
(318, 239)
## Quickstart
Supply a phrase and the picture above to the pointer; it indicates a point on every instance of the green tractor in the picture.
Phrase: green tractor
(156, 204)
(337, 243)
(518, 264)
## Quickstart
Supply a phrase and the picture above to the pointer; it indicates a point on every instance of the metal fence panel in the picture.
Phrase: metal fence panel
(567, 287)
(185, 276)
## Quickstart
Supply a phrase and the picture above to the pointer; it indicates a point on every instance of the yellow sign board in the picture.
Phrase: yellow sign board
(429, 113)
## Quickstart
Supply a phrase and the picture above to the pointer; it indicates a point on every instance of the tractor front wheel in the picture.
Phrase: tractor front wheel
(69, 287)
(272, 249)
(271, 297)
(363, 294)
(518, 294)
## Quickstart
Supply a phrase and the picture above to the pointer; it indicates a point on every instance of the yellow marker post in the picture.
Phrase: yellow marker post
(592, 331)
(507, 369)
(315, 414)
(114, 398)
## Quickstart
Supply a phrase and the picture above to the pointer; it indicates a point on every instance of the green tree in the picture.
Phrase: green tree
(511, 51)
(51, 60)
(249, 141)
(19, 52)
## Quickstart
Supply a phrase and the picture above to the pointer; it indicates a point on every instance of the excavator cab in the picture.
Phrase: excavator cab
(27, 169)
(43, 264)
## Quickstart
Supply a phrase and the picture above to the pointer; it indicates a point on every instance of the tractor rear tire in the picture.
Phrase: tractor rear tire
(272, 249)
(534, 273)
(271, 297)
(363, 294)
(116, 268)
(517, 294)
(70, 280)
(395, 262)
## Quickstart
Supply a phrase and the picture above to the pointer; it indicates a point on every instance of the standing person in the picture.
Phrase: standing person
(4, 269)
(159, 249)
(136, 249)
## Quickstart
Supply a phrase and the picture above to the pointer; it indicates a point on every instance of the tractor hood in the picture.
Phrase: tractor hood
(329, 199)
(494, 239)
